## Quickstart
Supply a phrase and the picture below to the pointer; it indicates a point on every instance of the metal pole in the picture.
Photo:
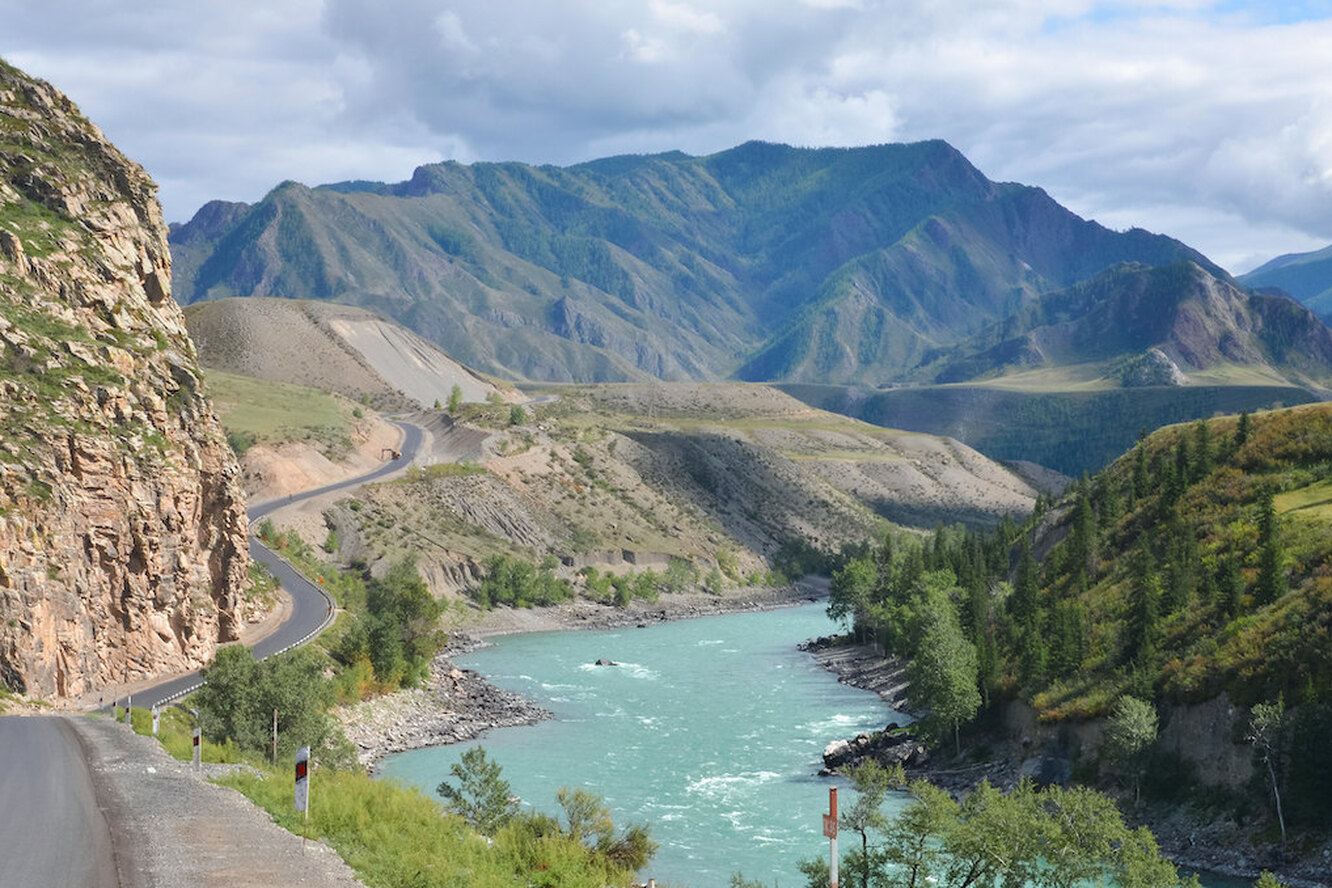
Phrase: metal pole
(832, 838)
(275, 738)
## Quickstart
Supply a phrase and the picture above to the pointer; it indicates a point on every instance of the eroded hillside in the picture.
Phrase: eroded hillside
(337, 348)
(633, 476)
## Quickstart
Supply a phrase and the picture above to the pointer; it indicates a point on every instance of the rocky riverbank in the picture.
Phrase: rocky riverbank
(1222, 847)
(455, 706)
(459, 705)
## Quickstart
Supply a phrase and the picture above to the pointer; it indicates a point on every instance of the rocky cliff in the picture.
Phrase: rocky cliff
(122, 524)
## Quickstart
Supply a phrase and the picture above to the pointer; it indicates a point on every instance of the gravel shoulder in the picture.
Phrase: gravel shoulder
(171, 827)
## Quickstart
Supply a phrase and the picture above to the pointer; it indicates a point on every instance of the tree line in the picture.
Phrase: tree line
(1169, 577)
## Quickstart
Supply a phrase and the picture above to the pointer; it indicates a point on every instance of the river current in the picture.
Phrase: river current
(709, 730)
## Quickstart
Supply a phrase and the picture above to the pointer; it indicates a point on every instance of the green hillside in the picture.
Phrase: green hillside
(1306, 276)
(764, 262)
(1198, 564)
(1071, 431)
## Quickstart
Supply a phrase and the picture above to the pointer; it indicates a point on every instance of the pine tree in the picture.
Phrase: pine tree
(1242, 430)
(1023, 605)
(1230, 587)
(1271, 583)
(1204, 451)
(1142, 627)
(1141, 477)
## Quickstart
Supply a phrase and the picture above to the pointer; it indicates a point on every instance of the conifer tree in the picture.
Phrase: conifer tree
(1271, 583)
(1142, 627)
(1242, 429)
(1141, 478)
(1204, 451)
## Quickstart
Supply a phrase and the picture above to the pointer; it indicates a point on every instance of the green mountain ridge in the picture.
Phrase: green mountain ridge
(764, 262)
(1306, 276)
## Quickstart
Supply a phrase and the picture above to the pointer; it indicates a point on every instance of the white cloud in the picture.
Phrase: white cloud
(1206, 120)
(683, 17)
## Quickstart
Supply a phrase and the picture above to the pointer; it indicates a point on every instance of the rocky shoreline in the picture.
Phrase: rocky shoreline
(459, 705)
(455, 706)
(1223, 848)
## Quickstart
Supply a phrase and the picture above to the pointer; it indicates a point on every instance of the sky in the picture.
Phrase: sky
(1208, 121)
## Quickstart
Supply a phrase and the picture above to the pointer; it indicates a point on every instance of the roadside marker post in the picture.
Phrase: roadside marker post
(303, 790)
(198, 737)
(830, 830)
(157, 719)
(129, 701)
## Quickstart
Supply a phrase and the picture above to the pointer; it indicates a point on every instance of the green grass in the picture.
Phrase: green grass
(392, 836)
(256, 411)
(1314, 501)
(175, 733)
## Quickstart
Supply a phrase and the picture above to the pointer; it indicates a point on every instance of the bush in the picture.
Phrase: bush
(240, 695)
(397, 630)
(517, 583)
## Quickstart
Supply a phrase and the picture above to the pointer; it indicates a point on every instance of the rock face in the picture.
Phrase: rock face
(122, 524)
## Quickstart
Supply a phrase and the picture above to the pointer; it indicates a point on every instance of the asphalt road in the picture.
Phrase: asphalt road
(311, 608)
(52, 832)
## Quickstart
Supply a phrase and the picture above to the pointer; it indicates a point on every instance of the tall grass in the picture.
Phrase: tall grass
(393, 835)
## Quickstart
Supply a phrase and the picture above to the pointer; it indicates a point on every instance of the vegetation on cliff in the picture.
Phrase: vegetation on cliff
(122, 526)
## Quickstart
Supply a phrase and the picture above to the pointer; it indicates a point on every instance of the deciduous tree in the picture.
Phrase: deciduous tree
(482, 797)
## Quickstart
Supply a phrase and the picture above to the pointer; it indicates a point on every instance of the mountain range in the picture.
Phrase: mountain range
(761, 263)
(1306, 276)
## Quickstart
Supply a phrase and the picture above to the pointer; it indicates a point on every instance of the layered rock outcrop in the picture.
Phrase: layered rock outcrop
(122, 523)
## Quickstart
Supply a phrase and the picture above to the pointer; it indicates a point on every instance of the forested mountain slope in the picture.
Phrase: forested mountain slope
(1189, 583)
(764, 262)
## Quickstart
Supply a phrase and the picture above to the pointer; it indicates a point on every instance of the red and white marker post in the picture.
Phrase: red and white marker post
(830, 830)
(303, 789)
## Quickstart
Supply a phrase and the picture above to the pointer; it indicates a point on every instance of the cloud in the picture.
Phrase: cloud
(1206, 120)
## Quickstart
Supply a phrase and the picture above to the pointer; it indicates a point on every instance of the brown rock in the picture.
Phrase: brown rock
(123, 536)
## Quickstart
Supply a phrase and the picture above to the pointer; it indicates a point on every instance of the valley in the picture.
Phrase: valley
(1072, 482)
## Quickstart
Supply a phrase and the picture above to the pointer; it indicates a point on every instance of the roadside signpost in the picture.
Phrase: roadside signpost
(830, 830)
(303, 789)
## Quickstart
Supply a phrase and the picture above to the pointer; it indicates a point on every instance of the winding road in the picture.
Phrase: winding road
(311, 608)
(53, 831)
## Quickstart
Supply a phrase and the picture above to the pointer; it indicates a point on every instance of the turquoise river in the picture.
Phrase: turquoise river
(709, 730)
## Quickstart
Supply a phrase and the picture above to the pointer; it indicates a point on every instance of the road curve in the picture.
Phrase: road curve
(52, 831)
(311, 608)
